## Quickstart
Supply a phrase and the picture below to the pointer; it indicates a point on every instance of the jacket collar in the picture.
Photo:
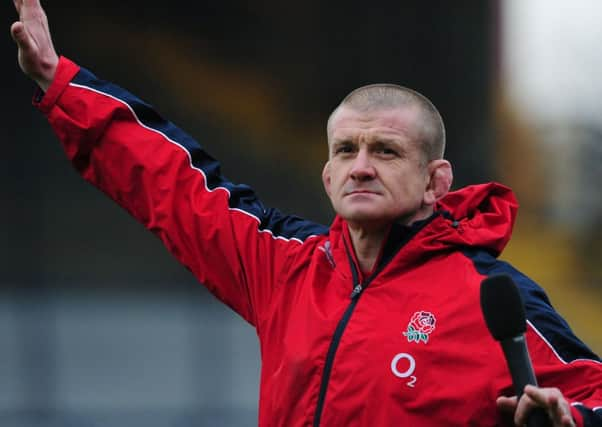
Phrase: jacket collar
(475, 216)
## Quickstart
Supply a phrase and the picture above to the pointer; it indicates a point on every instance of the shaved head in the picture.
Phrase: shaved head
(376, 97)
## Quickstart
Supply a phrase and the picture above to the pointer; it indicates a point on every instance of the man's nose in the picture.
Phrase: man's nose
(362, 168)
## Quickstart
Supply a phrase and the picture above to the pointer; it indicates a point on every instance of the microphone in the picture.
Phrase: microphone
(504, 314)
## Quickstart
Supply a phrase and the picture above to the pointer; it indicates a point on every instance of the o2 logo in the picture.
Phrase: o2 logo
(403, 366)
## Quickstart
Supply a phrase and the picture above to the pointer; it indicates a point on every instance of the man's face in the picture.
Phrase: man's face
(376, 173)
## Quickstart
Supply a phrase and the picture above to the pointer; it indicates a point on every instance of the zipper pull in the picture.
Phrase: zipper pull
(356, 291)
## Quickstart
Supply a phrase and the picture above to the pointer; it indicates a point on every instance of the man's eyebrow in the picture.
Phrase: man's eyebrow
(343, 140)
(386, 140)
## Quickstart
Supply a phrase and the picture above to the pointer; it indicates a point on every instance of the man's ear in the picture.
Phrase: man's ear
(326, 177)
(440, 181)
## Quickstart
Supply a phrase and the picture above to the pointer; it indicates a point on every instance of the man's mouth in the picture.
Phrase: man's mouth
(362, 191)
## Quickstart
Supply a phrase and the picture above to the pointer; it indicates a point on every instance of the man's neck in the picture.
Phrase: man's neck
(368, 240)
(367, 245)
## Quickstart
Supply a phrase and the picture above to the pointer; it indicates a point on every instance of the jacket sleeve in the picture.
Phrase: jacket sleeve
(161, 176)
(560, 359)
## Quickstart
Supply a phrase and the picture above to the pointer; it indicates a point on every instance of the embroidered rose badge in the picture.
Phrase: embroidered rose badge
(420, 327)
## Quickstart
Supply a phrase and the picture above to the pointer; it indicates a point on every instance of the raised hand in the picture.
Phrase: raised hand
(37, 57)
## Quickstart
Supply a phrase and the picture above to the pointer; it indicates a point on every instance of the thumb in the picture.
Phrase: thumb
(20, 36)
(507, 404)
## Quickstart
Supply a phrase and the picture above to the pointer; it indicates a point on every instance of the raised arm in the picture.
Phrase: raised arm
(37, 57)
(219, 230)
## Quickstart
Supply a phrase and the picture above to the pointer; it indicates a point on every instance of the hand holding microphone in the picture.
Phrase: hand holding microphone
(504, 314)
(557, 408)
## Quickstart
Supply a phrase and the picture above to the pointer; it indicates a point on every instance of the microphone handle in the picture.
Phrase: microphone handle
(519, 363)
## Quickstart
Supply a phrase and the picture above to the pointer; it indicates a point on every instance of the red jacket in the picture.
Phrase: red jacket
(405, 346)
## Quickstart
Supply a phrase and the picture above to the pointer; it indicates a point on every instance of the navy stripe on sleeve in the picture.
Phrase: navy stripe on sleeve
(539, 311)
(590, 418)
(241, 197)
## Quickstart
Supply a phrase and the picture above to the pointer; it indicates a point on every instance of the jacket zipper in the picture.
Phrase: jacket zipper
(338, 333)
(357, 291)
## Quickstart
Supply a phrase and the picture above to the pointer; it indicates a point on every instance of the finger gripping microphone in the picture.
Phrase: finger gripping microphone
(504, 315)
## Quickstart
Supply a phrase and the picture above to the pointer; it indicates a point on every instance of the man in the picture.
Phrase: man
(373, 321)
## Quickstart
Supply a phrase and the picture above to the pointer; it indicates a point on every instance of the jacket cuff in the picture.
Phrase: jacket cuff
(65, 71)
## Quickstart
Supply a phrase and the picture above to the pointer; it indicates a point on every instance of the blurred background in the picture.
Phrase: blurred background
(99, 326)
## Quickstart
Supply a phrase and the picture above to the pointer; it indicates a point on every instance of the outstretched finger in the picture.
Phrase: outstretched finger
(29, 10)
(18, 4)
(26, 5)
(31, 3)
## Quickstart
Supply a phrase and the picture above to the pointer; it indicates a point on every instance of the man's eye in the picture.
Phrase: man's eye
(387, 151)
(344, 149)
